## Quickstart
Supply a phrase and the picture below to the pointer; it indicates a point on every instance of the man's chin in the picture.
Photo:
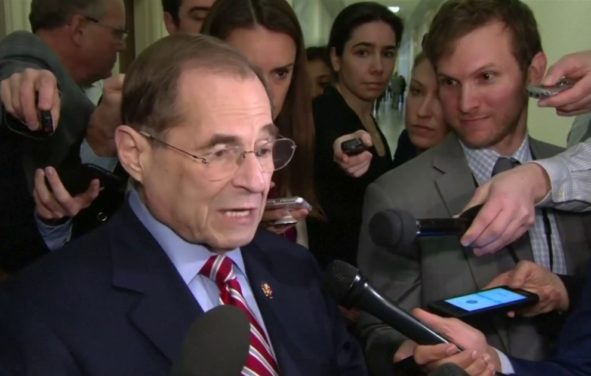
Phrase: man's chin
(476, 141)
(232, 241)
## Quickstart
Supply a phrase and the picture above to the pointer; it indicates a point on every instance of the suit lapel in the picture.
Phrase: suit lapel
(456, 186)
(454, 182)
(266, 290)
(275, 301)
(164, 307)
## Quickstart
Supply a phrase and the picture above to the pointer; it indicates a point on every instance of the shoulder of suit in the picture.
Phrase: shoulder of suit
(411, 170)
(20, 39)
(543, 149)
(279, 247)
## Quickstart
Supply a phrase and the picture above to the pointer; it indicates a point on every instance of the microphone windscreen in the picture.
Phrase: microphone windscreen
(448, 369)
(393, 228)
(216, 344)
(338, 279)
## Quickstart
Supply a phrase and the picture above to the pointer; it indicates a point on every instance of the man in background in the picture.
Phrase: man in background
(185, 16)
(72, 45)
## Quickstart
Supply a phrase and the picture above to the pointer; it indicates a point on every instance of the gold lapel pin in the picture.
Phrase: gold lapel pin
(267, 290)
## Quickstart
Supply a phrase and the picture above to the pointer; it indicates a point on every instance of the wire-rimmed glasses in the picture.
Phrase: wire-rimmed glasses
(222, 161)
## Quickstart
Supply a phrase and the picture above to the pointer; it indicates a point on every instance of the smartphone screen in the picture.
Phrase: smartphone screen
(485, 299)
(498, 299)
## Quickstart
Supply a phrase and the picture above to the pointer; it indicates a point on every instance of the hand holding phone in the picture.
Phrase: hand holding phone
(76, 180)
(540, 92)
(489, 301)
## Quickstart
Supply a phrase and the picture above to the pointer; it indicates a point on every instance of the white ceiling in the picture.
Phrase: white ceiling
(406, 6)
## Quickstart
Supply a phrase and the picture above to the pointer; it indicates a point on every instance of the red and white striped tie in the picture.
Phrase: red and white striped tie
(260, 361)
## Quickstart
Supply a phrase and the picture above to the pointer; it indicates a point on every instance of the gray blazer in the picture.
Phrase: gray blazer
(21, 50)
(438, 183)
(20, 242)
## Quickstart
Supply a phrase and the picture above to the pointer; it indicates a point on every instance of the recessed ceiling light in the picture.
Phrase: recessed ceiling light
(394, 9)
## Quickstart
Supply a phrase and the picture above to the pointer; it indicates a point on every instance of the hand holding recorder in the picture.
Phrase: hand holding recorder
(32, 97)
(577, 100)
(351, 154)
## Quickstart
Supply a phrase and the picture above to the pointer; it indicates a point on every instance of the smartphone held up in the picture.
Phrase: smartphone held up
(287, 203)
(541, 92)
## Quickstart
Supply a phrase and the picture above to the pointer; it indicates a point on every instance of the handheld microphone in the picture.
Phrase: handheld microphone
(216, 344)
(344, 283)
(395, 228)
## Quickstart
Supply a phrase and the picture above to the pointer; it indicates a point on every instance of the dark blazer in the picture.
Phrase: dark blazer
(340, 195)
(112, 303)
(405, 150)
(573, 353)
(20, 242)
(437, 184)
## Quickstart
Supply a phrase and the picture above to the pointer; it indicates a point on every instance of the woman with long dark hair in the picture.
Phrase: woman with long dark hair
(268, 33)
(363, 45)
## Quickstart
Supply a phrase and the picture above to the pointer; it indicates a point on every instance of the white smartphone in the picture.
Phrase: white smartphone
(295, 202)
(539, 92)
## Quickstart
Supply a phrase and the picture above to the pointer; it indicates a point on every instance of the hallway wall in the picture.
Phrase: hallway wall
(564, 25)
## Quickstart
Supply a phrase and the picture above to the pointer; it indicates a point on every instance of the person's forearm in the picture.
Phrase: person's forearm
(570, 178)
(100, 136)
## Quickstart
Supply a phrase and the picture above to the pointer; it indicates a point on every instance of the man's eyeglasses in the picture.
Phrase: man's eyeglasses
(223, 161)
(120, 34)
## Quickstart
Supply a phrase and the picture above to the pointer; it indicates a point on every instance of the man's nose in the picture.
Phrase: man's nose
(468, 98)
(250, 174)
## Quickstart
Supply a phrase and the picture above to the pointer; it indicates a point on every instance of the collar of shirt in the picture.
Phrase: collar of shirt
(189, 258)
(481, 161)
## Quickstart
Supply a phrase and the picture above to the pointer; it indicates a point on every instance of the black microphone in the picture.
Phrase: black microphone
(395, 228)
(216, 344)
(348, 287)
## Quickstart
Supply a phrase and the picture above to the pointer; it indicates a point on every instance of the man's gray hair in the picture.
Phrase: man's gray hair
(50, 14)
(150, 90)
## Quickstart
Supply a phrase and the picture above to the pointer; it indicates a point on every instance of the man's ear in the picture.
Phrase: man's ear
(335, 60)
(537, 68)
(133, 149)
(171, 27)
(77, 26)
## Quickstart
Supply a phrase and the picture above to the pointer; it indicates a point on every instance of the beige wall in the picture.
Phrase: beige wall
(2, 23)
(149, 23)
(565, 27)
(14, 16)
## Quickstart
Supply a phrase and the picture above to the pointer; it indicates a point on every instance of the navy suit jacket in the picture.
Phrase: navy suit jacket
(573, 353)
(112, 303)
